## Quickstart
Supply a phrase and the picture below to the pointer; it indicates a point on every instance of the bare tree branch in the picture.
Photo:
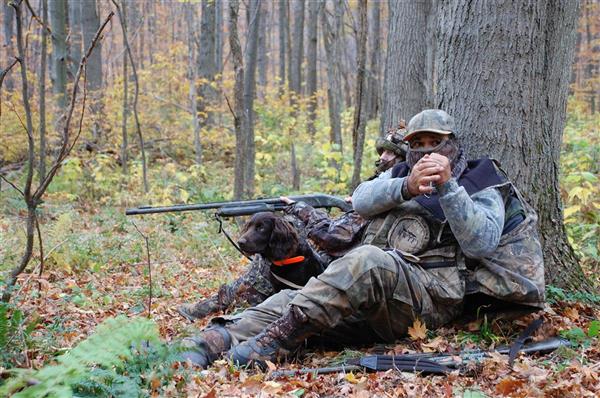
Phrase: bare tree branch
(12, 185)
(149, 269)
(37, 18)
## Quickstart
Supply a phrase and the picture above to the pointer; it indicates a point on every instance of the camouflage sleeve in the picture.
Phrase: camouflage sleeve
(378, 196)
(476, 221)
(305, 212)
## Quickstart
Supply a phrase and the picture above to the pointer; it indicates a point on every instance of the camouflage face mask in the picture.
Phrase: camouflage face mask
(448, 148)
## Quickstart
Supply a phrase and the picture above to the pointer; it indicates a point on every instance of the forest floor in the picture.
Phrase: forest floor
(70, 302)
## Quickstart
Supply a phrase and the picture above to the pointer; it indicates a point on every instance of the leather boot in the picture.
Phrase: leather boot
(201, 309)
(278, 339)
(205, 347)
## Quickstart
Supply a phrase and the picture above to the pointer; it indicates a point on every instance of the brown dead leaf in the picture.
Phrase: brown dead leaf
(434, 345)
(508, 385)
(271, 366)
(572, 313)
(418, 331)
(211, 394)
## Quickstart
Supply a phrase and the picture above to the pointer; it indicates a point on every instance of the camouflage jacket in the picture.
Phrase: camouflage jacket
(468, 233)
(333, 237)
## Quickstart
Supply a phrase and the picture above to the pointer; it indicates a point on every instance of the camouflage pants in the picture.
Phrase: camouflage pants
(367, 295)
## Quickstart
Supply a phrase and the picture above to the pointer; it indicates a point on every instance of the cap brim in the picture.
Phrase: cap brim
(412, 133)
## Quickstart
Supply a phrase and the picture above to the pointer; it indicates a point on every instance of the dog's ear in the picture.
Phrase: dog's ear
(284, 239)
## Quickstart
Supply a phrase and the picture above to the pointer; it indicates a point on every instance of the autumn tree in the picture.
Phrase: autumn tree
(503, 72)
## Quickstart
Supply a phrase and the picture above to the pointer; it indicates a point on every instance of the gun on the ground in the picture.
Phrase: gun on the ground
(426, 363)
(248, 207)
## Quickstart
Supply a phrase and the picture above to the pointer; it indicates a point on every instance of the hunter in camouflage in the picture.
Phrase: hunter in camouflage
(442, 230)
(331, 238)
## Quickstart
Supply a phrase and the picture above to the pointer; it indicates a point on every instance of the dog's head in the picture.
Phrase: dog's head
(270, 235)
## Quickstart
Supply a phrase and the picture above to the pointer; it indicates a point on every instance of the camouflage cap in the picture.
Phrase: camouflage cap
(431, 120)
(393, 141)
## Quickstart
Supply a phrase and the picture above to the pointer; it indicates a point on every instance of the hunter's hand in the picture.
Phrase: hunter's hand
(286, 200)
(424, 175)
(446, 171)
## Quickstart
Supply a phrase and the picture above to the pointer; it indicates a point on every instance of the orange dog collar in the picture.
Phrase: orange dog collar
(287, 261)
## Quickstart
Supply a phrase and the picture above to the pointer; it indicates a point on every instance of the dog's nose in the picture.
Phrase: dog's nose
(241, 242)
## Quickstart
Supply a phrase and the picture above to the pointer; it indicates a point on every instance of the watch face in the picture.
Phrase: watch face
(409, 234)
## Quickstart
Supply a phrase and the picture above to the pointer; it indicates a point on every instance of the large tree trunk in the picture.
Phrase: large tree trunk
(374, 70)
(331, 42)
(58, 23)
(405, 90)
(263, 57)
(238, 97)
(125, 109)
(503, 73)
(254, 13)
(311, 58)
(75, 36)
(360, 122)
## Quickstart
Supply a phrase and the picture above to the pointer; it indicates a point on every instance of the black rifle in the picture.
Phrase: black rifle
(426, 363)
(248, 207)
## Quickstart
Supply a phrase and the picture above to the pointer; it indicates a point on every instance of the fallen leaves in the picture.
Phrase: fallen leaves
(417, 331)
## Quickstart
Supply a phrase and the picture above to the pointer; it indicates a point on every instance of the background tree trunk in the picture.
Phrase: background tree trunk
(405, 91)
(296, 45)
(219, 37)
(254, 12)
(206, 63)
(8, 18)
(514, 110)
(42, 90)
(58, 22)
(311, 58)
(360, 122)
(238, 107)
(193, 76)
(124, 156)
(282, 8)
(263, 58)
(331, 42)
(75, 36)
(90, 23)
(374, 70)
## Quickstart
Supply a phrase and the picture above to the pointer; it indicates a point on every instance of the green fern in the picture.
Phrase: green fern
(3, 326)
(106, 349)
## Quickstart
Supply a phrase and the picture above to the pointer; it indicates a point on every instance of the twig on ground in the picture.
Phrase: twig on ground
(149, 270)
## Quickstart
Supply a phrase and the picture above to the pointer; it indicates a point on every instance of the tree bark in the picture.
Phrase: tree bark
(374, 70)
(311, 58)
(58, 22)
(238, 94)
(254, 14)
(514, 110)
(405, 91)
(360, 123)
(75, 36)
(331, 42)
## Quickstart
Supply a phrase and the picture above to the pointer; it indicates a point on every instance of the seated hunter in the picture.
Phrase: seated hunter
(442, 228)
(289, 250)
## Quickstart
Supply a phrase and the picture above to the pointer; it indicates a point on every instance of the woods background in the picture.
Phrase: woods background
(167, 102)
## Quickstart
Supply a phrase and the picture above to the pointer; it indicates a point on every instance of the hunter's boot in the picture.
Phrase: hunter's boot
(206, 346)
(201, 309)
(279, 339)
